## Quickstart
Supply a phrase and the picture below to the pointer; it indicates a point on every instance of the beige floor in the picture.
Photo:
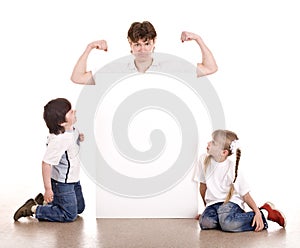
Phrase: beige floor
(87, 231)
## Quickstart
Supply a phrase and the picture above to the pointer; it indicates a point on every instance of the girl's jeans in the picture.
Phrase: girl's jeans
(68, 202)
(228, 217)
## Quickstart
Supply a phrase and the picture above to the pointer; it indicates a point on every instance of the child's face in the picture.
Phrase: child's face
(215, 148)
(70, 118)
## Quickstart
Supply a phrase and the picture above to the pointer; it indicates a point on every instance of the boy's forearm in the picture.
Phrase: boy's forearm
(46, 172)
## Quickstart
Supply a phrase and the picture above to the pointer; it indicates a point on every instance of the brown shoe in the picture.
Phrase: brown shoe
(39, 199)
(24, 210)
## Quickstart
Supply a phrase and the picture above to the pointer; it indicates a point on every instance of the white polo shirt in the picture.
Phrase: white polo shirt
(161, 63)
(62, 154)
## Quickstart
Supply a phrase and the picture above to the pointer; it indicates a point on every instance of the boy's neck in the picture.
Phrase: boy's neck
(69, 128)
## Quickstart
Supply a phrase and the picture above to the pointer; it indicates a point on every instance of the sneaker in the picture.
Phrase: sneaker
(39, 199)
(274, 214)
(24, 210)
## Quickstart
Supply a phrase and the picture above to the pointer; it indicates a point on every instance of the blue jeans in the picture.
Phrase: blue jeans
(228, 217)
(67, 203)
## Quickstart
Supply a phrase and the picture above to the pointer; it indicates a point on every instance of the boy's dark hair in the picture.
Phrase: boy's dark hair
(54, 114)
(141, 30)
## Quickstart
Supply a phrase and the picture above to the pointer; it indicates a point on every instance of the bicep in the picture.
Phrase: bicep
(203, 70)
(85, 78)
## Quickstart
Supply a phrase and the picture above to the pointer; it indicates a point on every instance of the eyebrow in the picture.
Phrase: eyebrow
(141, 42)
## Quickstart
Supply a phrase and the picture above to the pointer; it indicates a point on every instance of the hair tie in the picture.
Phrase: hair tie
(235, 144)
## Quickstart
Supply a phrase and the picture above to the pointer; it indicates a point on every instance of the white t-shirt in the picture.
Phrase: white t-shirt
(162, 62)
(62, 154)
(218, 178)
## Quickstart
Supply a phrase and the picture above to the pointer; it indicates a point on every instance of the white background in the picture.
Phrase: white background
(255, 43)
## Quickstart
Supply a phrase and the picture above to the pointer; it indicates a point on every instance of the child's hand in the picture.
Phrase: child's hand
(81, 137)
(48, 196)
(197, 217)
(258, 222)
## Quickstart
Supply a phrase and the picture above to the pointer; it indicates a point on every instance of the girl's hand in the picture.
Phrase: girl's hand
(197, 217)
(258, 222)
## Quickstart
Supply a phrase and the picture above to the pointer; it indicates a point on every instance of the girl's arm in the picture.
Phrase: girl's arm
(257, 220)
(202, 189)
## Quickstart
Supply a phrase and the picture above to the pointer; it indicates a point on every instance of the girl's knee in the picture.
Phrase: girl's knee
(208, 223)
(226, 225)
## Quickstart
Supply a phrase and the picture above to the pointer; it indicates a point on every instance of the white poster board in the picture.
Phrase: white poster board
(143, 133)
(179, 202)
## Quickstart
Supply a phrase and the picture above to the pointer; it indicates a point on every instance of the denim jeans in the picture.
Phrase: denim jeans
(228, 217)
(67, 203)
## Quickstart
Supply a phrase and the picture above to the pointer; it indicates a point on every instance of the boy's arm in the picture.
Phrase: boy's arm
(79, 74)
(81, 137)
(208, 64)
(46, 172)
(257, 220)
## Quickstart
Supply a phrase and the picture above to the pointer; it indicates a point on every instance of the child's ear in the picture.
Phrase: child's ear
(225, 153)
(63, 124)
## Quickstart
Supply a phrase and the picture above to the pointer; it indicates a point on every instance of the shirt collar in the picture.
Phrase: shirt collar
(153, 67)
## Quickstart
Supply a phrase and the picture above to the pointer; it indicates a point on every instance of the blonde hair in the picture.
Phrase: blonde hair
(225, 137)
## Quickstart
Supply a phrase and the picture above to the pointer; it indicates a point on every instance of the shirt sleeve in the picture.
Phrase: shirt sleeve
(241, 185)
(55, 150)
(199, 173)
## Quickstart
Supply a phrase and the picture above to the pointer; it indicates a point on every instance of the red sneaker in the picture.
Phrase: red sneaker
(274, 214)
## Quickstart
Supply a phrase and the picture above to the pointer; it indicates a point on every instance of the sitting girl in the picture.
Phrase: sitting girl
(224, 190)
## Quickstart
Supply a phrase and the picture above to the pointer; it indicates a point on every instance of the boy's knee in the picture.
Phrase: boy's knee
(71, 214)
(71, 217)
(81, 209)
